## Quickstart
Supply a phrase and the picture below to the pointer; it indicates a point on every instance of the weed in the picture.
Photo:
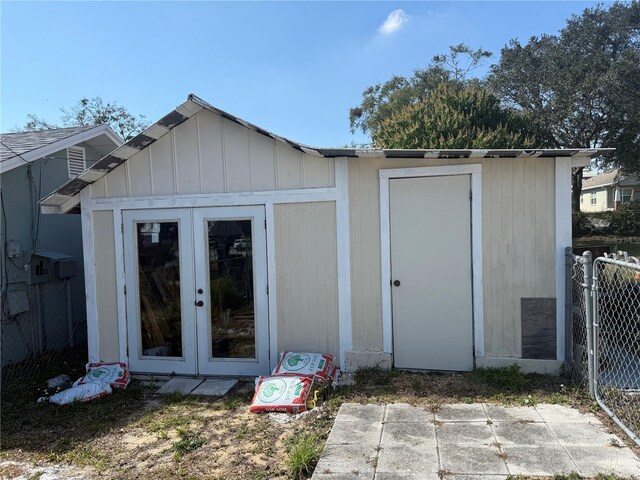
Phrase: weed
(188, 442)
(303, 452)
(508, 378)
(84, 456)
(374, 376)
(35, 476)
(614, 442)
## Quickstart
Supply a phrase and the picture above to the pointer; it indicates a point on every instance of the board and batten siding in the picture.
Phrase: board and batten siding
(518, 231)
(106, 295)
(307, 278)
(209, 154)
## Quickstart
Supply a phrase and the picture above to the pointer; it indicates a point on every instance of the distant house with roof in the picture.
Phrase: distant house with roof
(43, 304)
(608, 191)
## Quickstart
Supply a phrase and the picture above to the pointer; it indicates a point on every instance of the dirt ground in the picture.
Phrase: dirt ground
(136, 434)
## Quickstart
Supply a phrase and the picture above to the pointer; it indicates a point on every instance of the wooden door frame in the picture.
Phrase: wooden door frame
(475, 171)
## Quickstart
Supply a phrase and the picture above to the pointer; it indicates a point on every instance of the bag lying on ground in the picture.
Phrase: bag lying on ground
(319, 366)
(281, 393)
(82, 393)
(115, 374)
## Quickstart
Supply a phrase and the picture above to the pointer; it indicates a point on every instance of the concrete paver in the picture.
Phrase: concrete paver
(498, 413)
(215, 387)
(459, 433)
(469, 442)
(398, 434)
(401, 412)
(356, 460)
(592, 434)
(462, 412)
(355, 433)
(538, 460)
(406, 460)
(472, 459)
(593, 460)
(516, 433)
(181, 385)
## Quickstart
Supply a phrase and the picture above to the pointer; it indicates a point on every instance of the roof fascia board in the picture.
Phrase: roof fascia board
(61, 144)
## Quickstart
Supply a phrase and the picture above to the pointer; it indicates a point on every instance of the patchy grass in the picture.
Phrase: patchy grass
(188, 442)
(135, 434)
(509, 379)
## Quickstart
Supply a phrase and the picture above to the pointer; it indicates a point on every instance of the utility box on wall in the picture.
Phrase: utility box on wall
(48, 264)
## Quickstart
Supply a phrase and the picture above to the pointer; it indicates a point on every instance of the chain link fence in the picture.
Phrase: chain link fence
(43, 331)
(603, 308)
(616, 287)
(577, 363)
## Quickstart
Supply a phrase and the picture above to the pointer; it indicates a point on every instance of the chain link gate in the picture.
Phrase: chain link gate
(616, 340)
(603, 332)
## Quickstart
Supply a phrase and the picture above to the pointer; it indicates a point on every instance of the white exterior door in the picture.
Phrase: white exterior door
(197, 290)
(231, 290)
(430, 235)
(160, 284)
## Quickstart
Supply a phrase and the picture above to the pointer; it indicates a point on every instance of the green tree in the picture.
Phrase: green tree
(454, 116)
(379, 101)
(93, 111)
(581, 87)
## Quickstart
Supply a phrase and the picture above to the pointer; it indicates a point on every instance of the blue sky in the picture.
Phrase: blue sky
(293, 68)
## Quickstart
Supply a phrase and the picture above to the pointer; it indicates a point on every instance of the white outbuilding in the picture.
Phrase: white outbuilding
(211, 245)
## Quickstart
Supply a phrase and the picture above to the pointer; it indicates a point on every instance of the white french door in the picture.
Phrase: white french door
(197, 290)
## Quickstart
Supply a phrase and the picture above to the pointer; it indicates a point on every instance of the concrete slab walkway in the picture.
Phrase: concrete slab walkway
(464, 441)
(197, 386)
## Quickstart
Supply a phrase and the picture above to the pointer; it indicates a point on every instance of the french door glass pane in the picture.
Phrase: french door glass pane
(233, 329)
(159, 287)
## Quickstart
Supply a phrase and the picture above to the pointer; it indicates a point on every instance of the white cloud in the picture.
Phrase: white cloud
(394, 22)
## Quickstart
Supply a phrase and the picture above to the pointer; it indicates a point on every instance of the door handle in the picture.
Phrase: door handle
(199, 303)
(396, 283)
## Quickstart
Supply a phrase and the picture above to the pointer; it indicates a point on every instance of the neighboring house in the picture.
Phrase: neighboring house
(211, 245)
(43, 305)
(608, 191)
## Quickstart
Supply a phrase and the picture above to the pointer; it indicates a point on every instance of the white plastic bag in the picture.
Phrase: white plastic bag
(82, 393)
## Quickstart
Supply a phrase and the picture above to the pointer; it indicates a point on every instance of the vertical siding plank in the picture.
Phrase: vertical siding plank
(99, 188)
(237, 159)
(317, 171)
(106, 286)
(161, 162)
(306, 269)
(263, 162)
(116, 182)
(289, 165)
(140, 173)
(187, 163)
(211, 152)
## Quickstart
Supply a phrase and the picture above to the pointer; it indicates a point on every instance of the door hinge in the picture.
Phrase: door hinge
(125, 289)
(122, 228)
(267, 289)
(470, 195)
(265, 224)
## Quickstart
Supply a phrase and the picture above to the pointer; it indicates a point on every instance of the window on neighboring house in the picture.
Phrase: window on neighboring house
(75, 161)
(626, 194)
(581, 198)
(593, 198)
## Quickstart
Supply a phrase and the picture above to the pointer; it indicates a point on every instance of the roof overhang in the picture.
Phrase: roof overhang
(51, 148)
(67, 196)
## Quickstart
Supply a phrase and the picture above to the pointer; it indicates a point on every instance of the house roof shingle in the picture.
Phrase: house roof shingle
(603, 179)
(20, 143)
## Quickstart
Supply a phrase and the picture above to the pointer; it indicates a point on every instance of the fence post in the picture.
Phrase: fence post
(569, 260)
(587, 268)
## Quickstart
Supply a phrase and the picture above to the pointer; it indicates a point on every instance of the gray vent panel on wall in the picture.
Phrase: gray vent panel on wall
(538, 328)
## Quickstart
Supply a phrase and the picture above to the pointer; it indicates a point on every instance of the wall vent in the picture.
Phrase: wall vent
(75, 161)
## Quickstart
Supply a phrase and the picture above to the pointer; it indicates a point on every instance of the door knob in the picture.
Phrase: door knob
(199, 303)
(396, 283)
